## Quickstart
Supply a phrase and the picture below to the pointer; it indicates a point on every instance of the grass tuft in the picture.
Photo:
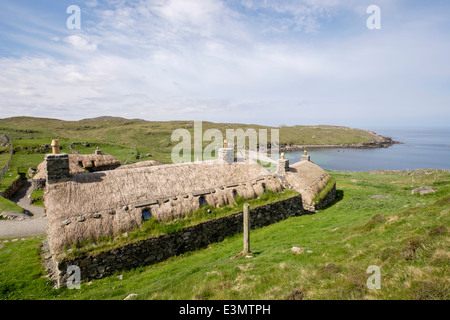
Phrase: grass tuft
(374, 222)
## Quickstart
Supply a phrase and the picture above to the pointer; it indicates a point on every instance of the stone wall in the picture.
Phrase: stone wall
(38, 183)
(57, 167)
(329, 198)
(15, 186)
(153, 250)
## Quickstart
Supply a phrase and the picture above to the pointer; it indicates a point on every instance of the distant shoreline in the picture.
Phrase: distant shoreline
(367, 145)
(378, 142)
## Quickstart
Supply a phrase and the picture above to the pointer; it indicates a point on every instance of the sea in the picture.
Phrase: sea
(420, 148)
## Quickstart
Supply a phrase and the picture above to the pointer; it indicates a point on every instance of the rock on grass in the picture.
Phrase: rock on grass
(297, 250)
(130, 296)
(423, 190)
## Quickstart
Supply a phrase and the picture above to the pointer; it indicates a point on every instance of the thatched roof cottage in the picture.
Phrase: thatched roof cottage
(308, 179)
(105, 203)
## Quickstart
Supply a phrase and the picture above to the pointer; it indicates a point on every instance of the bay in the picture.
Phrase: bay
(421, 148)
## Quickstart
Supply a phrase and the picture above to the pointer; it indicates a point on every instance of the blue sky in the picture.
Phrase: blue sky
(247, 61)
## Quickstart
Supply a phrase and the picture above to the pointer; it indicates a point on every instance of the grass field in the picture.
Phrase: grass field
(37, 195)
(6, 205)
(404, 234)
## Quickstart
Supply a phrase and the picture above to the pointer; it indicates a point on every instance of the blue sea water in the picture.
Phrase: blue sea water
(421, 148)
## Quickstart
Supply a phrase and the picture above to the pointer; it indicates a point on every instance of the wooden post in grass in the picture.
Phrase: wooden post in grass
(246, 229)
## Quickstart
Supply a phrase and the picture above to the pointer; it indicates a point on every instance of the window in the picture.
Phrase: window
(235, 194)
(146, 214)
(202, 201)
(264, 187)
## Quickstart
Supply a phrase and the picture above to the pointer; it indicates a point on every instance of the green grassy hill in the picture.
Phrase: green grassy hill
(154, 137)
(376, 220)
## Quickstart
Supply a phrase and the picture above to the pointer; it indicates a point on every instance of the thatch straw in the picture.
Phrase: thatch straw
(141, 164)
(119, 196)
(307, 178)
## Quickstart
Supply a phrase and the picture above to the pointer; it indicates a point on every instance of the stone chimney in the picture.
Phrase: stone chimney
(226, 154)
(305, 157)
(283, 166)
(57, 164)
(98, 151)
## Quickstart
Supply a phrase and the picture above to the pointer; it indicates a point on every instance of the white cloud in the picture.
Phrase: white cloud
(80, 43)
(211, 60)
(91, 3)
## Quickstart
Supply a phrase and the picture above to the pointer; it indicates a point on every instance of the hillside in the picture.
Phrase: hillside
(155, 136)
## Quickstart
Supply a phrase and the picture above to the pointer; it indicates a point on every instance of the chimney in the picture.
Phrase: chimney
(283, 166)
(98, 151)
(226, 154)
(55, 146)
(305, 157)
(57, 164)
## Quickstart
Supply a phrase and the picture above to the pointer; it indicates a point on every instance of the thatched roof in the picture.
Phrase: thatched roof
(307, 178)
(79, 162)
(141, 164)
(109, 202)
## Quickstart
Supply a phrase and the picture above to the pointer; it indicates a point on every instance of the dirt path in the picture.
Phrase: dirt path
(36, 225)
(22, 199)
(31, 227)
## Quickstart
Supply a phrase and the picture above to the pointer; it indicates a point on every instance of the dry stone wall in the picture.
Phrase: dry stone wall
(329, 198)
(153, 250)
(15, 186)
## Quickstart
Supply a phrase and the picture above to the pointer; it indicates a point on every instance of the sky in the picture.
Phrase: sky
(279, 62)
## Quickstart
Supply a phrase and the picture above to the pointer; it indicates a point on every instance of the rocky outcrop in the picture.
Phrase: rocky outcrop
(14, 215)
(361, 145)
(4, 140)
(423, 190)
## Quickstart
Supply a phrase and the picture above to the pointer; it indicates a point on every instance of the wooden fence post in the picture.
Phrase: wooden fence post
(246, 229)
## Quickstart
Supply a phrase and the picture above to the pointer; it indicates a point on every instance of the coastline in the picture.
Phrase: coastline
(379, 141)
